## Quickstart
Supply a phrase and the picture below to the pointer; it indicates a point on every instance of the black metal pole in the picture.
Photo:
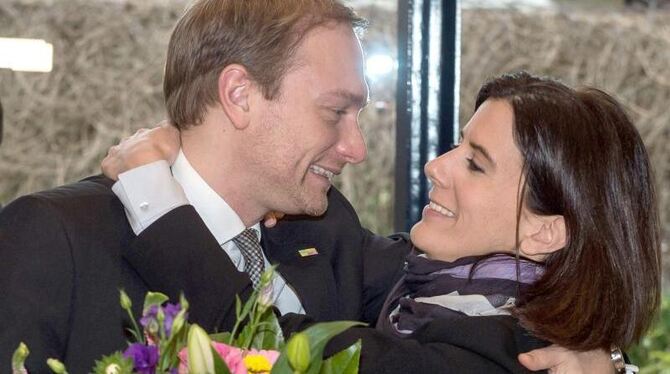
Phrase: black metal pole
(427, 97)
(1, 114)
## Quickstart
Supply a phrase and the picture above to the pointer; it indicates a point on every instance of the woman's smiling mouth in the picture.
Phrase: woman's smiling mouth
(440, 209)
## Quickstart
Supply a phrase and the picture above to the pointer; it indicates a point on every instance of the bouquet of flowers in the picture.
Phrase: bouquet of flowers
(167, 343)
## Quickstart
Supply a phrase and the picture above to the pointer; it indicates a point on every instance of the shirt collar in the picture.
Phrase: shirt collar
(219, 217)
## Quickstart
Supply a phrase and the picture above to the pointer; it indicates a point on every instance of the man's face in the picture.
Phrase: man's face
(310, 132)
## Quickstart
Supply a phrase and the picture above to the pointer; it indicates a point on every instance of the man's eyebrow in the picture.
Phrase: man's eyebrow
(351, 98)
(479, 148)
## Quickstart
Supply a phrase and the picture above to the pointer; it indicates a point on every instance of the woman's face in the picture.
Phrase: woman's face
(473, 202)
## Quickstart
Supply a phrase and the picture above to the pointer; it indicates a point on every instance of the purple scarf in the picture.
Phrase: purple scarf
(433, 289)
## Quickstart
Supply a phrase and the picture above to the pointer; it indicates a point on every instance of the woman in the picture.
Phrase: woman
(542, 224)
(560, 179)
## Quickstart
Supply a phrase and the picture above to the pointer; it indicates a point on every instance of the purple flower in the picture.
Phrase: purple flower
(171, 311)
(150, 322)
(145, 357)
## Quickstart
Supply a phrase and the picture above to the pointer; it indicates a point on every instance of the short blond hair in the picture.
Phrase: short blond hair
(261, 35)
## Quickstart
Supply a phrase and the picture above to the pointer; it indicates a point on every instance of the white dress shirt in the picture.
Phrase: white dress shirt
(150, 191)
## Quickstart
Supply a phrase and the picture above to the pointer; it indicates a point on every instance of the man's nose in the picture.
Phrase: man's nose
(352, 144)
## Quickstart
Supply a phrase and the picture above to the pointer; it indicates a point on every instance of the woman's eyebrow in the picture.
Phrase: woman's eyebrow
(479, 148)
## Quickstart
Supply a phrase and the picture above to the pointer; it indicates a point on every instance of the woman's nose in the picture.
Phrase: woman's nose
(438, 170)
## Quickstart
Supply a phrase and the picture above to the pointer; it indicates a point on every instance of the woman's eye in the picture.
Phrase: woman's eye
(472, 165)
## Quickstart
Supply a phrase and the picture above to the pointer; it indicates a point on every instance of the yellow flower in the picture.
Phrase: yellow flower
(256, 363)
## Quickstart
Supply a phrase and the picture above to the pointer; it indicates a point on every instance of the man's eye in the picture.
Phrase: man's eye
(334, 115)
(472, 166)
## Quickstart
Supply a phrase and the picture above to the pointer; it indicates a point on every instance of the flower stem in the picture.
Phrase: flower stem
(137, 332)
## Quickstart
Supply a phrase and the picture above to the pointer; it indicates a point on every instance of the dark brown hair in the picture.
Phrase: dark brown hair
(261, 35)
(584, 160)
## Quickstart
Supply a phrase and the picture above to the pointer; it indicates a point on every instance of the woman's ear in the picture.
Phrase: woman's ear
(234, 87)
(541, 236)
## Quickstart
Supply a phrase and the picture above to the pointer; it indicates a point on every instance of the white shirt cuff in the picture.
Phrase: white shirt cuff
(147, 193)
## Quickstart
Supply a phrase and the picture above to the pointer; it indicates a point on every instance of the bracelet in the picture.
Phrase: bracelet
(617, 359)
(620, 365)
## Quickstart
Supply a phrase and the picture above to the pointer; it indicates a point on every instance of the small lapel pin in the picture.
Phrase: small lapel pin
(308, 252)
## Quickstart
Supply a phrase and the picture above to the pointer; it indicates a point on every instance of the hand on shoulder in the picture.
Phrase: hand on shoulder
(144, 147)
(559, 360)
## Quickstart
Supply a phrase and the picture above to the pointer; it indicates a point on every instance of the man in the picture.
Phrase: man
(266, 97)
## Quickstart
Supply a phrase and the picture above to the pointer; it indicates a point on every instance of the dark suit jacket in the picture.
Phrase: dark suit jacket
(64, 254)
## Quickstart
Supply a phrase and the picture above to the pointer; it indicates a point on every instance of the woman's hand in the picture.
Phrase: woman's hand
(559, 360)
(272, 218)
(144, 147)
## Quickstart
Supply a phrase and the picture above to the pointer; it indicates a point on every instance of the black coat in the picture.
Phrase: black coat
(64, 254)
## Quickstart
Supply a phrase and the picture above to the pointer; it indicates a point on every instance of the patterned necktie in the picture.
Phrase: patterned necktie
(252, 252)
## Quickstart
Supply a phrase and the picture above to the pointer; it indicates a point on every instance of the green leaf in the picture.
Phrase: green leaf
(344, 362)
(183, 303)
(154, 298)
(268, 334)
(281, 366)
(243, 336)
(136, 335)
(268, 337)
(237, 338)
(238, 306)
(170, 348)
(221, 337)
(178, 323)
(220, 366)
(319, 334)
(248, 304)
(249, 317)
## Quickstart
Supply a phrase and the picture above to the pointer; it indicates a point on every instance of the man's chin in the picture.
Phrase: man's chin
(315, 205)
(315, 211)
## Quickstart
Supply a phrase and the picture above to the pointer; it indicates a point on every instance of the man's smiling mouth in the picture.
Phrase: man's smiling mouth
(318, 170)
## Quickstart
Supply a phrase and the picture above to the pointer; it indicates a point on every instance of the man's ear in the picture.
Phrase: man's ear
(542, 235)
(234, 89)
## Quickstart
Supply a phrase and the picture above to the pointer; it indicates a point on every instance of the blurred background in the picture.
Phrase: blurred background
(96, 76)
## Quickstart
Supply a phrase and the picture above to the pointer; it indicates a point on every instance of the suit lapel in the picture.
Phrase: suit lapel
(310, 274)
